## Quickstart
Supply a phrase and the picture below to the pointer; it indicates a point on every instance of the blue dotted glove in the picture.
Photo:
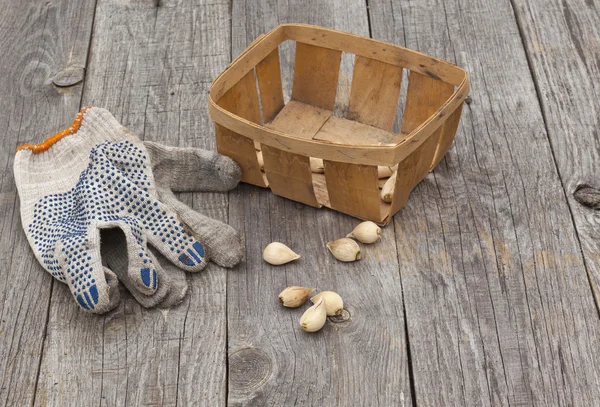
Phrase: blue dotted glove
(99, 177)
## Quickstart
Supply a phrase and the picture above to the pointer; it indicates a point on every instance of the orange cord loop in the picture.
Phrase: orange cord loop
(46, 144)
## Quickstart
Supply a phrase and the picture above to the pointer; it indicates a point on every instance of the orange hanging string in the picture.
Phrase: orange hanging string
(38, 148)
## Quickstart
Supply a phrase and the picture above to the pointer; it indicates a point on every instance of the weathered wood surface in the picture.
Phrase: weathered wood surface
(151, 67)
(360, 362)
(39, 41)
(498, 303)
(487, 261)
(563, 43)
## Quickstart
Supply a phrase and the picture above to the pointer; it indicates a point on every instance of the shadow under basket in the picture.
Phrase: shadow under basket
(274, 142)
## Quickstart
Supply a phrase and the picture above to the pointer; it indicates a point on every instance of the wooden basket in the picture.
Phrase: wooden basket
(288, 135)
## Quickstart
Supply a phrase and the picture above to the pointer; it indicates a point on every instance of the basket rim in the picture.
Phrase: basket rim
(350, 43)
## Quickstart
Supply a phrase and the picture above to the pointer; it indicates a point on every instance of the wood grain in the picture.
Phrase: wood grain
(567, 83)
(499, 309)
(268, 77)
(375, 92)
(289, 175)
(446, 137)
(243, 151)
(347, 132)
(151, 66)
(300, 120)
(353, 189)
(316, 72)
(492, 277)
(424, 96)
(242, 100)
(41, 41)
(358, 361)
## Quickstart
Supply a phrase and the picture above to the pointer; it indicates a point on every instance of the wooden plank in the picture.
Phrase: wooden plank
(569, 101)
(375, 92)
(151, 66)
(446, 137)
(424, 96)
(241, 100)
(300, 120)
(499, 309)
(353, 189)
(289, 175)
(268, 76)
(360, 362)
(343, 131)
(243, 151)
(40, 46)
(411, 171)
(316, 72)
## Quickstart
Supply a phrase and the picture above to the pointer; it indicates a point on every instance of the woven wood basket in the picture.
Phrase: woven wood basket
(274, 142)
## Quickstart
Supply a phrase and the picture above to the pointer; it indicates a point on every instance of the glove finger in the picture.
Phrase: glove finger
(79, 258)
(192, 169)
(113, 284)
(140, 267)
(169, 236)
(178, 281)
(221, 240)
(115, 257)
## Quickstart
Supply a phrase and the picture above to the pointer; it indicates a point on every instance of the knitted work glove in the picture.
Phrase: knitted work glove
(97, 175)
(183, 170)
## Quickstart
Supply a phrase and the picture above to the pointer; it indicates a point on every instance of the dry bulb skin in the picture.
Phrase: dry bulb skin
(316, 165)
(384, 171)
(334, 305)
(277, 254)
(366, 232)
(294, 296)
(387, 192)
(314, 318)
(345, 249)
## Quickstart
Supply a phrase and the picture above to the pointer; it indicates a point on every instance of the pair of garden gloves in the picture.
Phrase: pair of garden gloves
(98, 208)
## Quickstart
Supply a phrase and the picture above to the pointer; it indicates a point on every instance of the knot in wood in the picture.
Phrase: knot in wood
(249, 369)
(587, 196)
(70, 76)
(340, 319)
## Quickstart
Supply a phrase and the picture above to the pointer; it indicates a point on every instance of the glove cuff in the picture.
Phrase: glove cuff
(92, 123)
(55, 165)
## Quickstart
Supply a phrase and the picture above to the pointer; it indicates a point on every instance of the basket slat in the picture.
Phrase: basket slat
(374, 93)
(289, 175)
(242, 100)
(241, 150)
(447, 136)
(344, 132)
(424, 96)
(268, 75)
(353, 189)
(300, 120)
(316, 72)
